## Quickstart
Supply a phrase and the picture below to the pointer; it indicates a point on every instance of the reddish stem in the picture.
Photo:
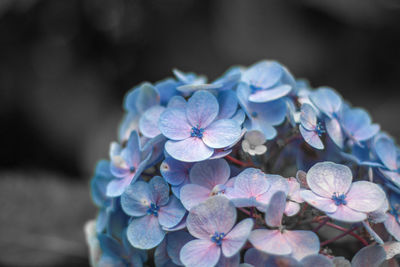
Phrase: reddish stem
(321, 225)
(239, 162)
(349, 231)
(359, 238)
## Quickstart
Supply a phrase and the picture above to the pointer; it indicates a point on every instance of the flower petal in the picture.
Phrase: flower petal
(303, 243)
(255, 257)
(365, 196)
(174, 125)
(327, 178)
(159, 190)
(334, 131)
(392, 226)
(272, 94)
(228, 104)
(250, 183)
(171, 214)
(193, 194)
(292, 208)
(277, 183)
(116, 187)
(275, 209)
(386, 151)
(200, 252)
(316, 260)
(312, 138)
(270, 241)
(175, 242)
(202, 108)
(148, 123)
(326, 100)
(216, 214)
(222, 133)
(321, 203)
(236, 238)
(345, 214)
(174, 171)
(263, 74)
(233, 261)
(369, 256)
(177, 102)
(136, 199)
(308, 117)
(145, 232)
(210, 173)
(189, 150)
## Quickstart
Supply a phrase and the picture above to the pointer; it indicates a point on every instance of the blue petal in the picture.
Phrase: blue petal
(222, 133)
(189, 88)
(263, 74)
(357, 123)
(166, 89)
(159, 190)
(99, 182)
(189, 150)
(148, 123)
(177, 102)
(334, 131)
(308, 117)
(110, 246)
(171, 214)
(316, 260)
(174, 125)
(227, 104)
(369, 256)
(145, 232)
(200, 252)
(129, 123)
(272, 94)
(146, 97)
(327, 101)
(175, 242)
(136, 199)
(202, 109)
(174, 171)
(275, 210)
(311, 138)
(132, 152)
(385, 149)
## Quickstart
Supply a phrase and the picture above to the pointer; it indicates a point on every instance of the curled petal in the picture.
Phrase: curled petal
(275, 93)
(334, 131)
(311, 137)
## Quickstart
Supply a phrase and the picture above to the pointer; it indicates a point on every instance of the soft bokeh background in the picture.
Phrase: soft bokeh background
(66, 64)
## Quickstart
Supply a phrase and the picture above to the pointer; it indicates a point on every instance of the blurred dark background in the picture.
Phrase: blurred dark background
(65, 66)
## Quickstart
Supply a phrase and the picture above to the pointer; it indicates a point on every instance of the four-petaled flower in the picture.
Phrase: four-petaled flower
(152, 208)
(310, 128)
(212, 223)
(333, 192)
(194, 132)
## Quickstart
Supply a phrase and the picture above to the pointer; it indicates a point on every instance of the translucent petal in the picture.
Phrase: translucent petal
(145, 232)
(270, 241)
(321, 203)
(365, 196)
(222, 133)
(275, 209)
(334, 131)
(189, 150)
(272, 94)
(303, 243)
(308, 117)
(294, 190)
(345, 214)
(236, 238)
(251, 183)
(210, 173)
(326, 100)
(116, 187)
(228, 104)
(148, 122)
(202, 108)
(386, 151)
(277, 183)
(312, 138)
(327, 178)
(369, 256)
(392, 226)
(174, 125)
(193, 194)
(177, 102)
(263, 74)
(216, 214)
(255, 257)
(171, 214)
(200, 252)
(137, 198)
(255, 137)
(316, 260)
(292, 208)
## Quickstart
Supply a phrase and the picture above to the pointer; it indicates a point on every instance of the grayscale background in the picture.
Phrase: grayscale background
(65, 66)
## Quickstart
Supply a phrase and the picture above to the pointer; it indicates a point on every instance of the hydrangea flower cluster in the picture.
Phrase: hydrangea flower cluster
(253, 169)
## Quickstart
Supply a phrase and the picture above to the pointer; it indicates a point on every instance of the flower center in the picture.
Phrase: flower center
(339, 199)
(319, 129)
(254, 88)
(132, 169)
(197, 132)
(218, 190)
(153, 209)
(217, 238)
(254, 114)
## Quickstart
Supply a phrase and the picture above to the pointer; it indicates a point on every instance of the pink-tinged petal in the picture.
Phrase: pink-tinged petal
(145, 232)
(159, 190)
(316, 261)
(311, 137)
(345, 214)
(216, 214)
(270, 94)
(174, 125)
(222, 133)
(365, 196)
(275, 209)
(301, 177)
(277, 183)
(292, 208)
(189, 150)
(308, 117)
(119, 172)
(136, 200)
(334, 131)
(148, 122)
(132, 152)
(392, 226)
(116, 187)
(303, 243)
(327, 178)
(193, 194)
(200, 252)
(250, 183)
(270, 241)
(321, 203)
(294, 190)
(201, 109)
(210, 173)
(180, 226)
(369, 256)
(171, 214)
(236, 238)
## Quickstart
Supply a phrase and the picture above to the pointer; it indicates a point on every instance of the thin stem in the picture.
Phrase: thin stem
(339, 236)
(321, 224)
(239, 162)
(362, 240)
